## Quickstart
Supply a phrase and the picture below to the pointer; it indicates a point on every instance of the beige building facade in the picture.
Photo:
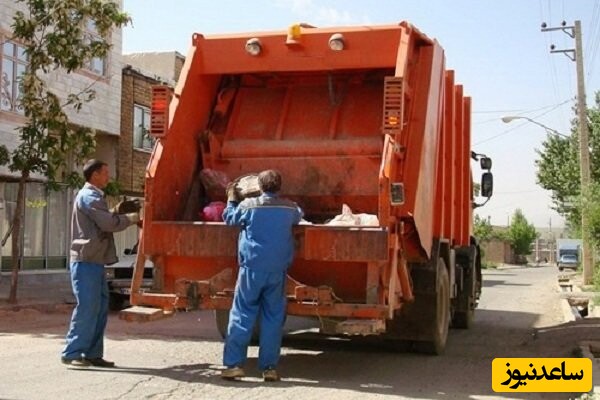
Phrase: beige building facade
(46, 220)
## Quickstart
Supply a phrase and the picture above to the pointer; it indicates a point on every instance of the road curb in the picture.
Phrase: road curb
(570, 314)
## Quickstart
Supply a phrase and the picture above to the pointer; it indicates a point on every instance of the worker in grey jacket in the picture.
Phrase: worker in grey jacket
(92, 246)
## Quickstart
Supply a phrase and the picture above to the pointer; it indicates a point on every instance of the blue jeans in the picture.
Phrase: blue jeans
(86, 332)
(257, 294)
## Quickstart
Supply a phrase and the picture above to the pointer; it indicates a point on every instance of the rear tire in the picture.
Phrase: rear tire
(437, 344)
(463, 319)
(116, 302)
(423, 325)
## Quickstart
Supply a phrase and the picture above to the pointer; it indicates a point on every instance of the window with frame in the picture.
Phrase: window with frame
(141, 128)
(96, 65)
(14, 63)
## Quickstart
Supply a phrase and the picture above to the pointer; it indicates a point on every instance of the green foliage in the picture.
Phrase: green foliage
(113, 188)
(488, 265)
(482, 229)
(596, 279)
(521, 233)
(558, 169)
(591, 204)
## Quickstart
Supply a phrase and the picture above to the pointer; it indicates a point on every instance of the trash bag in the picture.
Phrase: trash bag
(247, 186)
(347, 218)
(213, 212)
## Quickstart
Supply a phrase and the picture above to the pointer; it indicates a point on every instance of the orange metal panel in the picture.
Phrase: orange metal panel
(368, 47)
(449, 158)
(172, 170)
(341, 244)
(467, 210)
(458, 164)
(421, 137)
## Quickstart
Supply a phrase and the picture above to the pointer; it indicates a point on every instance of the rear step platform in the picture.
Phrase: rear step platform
(361, 327)
(143, 314)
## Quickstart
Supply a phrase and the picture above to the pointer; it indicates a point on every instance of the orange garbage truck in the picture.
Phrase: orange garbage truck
(368, 117)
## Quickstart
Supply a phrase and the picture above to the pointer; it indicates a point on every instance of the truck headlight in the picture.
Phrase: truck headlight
(109, 273)
(253, 46)
(336, 42)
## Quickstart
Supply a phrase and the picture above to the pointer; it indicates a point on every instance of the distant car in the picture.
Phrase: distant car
(568, 261)
(119, 276)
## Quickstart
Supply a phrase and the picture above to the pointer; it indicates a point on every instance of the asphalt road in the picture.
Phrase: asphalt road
(180, 358)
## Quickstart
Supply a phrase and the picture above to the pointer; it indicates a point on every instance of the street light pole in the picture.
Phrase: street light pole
(511, 118)
(584, 156)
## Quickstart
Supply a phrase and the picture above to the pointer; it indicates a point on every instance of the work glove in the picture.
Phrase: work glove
(232, 194)
(127, 206)
(134, 218)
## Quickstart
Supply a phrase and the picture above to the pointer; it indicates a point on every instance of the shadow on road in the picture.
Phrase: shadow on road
(503, 282)
(365, 366)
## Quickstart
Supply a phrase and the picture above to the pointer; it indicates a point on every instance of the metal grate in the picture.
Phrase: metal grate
(392, 105)
(159, 113)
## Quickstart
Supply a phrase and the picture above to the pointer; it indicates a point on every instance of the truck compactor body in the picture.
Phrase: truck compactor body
(366, 116)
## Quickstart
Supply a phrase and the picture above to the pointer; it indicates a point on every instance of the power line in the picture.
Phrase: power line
(517, 126)
(594, 43)
(517, 112)
(521, 110)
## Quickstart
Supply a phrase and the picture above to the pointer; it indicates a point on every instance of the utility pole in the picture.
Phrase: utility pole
(584, 154)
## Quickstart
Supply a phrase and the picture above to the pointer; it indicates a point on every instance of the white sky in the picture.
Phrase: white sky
(495, 47)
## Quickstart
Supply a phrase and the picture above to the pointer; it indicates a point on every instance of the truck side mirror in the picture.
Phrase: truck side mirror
(487, 184)
(486, 163)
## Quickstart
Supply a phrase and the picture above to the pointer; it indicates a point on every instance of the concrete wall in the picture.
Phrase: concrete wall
(102, 114)
(164, 66)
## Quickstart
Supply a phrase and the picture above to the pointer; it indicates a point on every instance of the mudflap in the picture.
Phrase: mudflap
(468, 267)
(422, 326)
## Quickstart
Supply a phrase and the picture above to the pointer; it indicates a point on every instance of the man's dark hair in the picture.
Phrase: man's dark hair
(92, 166)
(269, 181)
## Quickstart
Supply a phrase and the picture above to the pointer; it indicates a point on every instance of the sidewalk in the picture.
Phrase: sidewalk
(43, 291)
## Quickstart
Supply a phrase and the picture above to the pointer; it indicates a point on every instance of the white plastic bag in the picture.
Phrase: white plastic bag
(346, 218)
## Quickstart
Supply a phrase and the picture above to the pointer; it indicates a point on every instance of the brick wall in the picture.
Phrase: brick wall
(497, 251)
(136, 89)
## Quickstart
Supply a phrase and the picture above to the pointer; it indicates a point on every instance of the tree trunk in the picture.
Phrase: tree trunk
(16, 237)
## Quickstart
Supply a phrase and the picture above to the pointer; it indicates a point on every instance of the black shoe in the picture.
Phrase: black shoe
(76, 362)
(100, 362)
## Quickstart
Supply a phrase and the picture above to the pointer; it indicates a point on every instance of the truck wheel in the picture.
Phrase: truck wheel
(424, 324)
(115, 302)
(222, 321)
(463, 319)
(441, 324)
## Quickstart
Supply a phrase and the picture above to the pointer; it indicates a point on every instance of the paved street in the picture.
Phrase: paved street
(179, 358)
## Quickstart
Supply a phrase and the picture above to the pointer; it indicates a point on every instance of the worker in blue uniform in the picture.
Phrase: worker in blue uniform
(265, 252)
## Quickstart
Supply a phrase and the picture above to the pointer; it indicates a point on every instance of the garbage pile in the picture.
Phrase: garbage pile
(208, 196)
